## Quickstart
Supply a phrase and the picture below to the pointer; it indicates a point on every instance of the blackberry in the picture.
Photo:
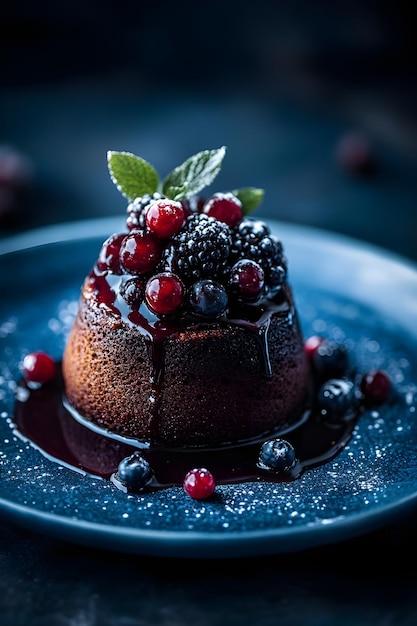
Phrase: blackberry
(199, 250)
(252, 239)
(136, 210)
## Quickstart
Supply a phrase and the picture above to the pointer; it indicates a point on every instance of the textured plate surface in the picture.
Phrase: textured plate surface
(344, 289)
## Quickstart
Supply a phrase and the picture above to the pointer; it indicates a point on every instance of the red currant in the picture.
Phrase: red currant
(38, 367)
(139, 253)
(109, 254)
(246, 280)
(376, 386)
(225, 207)
(311, 344)
(164, 293)
(355, 154)
(164, 218)
(199, 483)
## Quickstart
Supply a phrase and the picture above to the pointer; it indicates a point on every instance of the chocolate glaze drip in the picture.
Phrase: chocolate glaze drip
(42, 418)
(104, 290)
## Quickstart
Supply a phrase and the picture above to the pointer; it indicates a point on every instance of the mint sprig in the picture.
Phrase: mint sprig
(135, 177)
(250, 197)
(194, 174)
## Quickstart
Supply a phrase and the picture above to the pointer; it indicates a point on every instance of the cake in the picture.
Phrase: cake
(187, 333)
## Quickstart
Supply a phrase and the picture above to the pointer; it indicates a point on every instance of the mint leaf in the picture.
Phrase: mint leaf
(133, 176)
(194, 174)
(250, 198)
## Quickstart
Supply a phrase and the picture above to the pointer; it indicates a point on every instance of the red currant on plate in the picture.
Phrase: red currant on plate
(199, 483)
(38, 367)
(376, 386)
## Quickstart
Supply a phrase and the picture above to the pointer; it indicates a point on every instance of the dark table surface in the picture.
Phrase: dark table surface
(281, 127)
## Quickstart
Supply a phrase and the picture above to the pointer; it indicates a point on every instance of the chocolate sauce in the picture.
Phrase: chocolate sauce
(44, 419)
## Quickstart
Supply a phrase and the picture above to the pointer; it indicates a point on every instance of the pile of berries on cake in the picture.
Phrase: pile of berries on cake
(185, 254)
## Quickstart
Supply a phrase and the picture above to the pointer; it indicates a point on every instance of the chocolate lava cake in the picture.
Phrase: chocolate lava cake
(187, 334)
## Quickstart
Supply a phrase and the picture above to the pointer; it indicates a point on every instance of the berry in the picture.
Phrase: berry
(199, 250)
(38, 367)
(134, 472)
(246, 280)
(136, 210)
(311, 344)
(109, 257)
(277, 455)
(208, 298)
(225, 207)
(376, 387)
(330, 360)
(336, 399)
(132, 290)
(139, 252)
(199, 483)
(355, 154)
(252, 239)
(164, 218)
(193, 204)
(164, 293)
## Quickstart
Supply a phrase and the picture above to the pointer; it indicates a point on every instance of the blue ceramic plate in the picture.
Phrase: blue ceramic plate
(344, 289)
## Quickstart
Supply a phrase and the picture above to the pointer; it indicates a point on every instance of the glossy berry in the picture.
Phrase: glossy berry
(134, 472)
(139, 253)
(246, 280)
(376, 387)
(330, 360)
(164, 293)
(208, 298)
(311, 344)
(136, 210)
(132, 290)
(38, 367)
(199, 483)
(109, 257)
(225, 207)
(164, 218)
(277, 455)
(336, 400)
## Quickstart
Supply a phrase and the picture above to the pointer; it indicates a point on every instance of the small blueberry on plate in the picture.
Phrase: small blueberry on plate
(336, 400)
(134, 472)
(277, 455)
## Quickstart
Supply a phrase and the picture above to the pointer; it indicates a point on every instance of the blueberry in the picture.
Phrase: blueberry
(336, 399)
(330, 360)
(208, 298)
(134, 472)
(277, 455)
